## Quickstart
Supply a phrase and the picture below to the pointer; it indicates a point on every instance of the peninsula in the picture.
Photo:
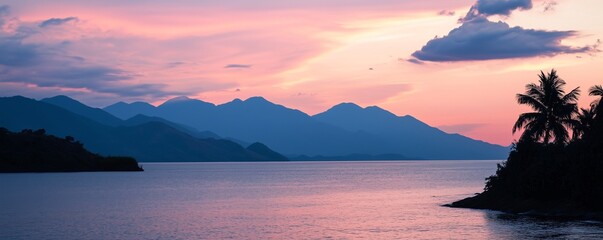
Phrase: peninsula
(35, 151)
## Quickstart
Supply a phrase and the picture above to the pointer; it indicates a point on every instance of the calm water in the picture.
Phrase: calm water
(299, 200)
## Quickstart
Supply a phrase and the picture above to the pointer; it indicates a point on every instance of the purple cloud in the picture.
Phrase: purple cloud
(446, 13)
(4, 11)
(56, 21)
(237, 66)
(549, 6)
(485, 8)
(48, 65)
(414, 61)
(460, 128)
(501, 7)
(481, 39)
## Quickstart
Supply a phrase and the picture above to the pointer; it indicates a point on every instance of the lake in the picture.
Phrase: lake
(286, 200)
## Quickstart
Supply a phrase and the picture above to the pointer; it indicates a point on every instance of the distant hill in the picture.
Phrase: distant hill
(76, 107)
(106, 118)
(127, 110)
(412, 137)
(258, 120)
(263, 151)
(148, 141)
(141, 119)
(345, 129)
(34, 151)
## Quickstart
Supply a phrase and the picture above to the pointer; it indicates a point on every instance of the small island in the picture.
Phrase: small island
(35, 151)
(555, 169)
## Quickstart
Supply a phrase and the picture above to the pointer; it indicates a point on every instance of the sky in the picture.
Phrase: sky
(456, 65)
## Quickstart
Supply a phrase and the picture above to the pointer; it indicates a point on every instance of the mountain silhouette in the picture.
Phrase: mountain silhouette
(127, 110)
(352, 117)
(413, 137)
(106, 118)
(76, 107)
(141, 119)
(345, 129)
(263, 151)
(257, 120)
(149, 141)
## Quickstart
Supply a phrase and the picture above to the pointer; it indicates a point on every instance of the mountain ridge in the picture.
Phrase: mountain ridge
(147, 142)
(344, 129)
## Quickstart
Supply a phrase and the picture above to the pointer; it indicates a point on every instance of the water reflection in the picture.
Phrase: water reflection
(515, 226)
(342, 200)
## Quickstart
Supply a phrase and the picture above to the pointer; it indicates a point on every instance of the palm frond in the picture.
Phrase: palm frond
(596, 90)
(526, 118)
(572, 96)
(529, 100)
(560, 133)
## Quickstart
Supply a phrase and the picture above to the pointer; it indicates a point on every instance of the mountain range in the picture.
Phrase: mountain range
(344, 130)
(147, 139)
(184, 129)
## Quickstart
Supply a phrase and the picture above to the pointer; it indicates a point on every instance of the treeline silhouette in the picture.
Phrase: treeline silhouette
(556, 167)
(35, 151)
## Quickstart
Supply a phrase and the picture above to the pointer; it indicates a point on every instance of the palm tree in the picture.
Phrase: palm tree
(586, 118)
(553, 110)
(596, 90)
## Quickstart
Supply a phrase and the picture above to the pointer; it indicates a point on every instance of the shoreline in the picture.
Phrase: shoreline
(555, 210)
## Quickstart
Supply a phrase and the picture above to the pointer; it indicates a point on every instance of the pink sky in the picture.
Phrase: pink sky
(308, 55)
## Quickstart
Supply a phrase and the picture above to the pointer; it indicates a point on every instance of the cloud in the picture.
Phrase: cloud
(460, 128)
(138, 90)
(481, 39)
(446, 13)
(15, 54)
(501, 7)
(484, 40)
(56, 21)
(549, 6)
(4, 12)
(237, 66)
(485, 8)
(48, 65)
(174, 64)
(97, 79)
(414, 60)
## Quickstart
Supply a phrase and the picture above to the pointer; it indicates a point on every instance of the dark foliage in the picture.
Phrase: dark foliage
(562, 177)
(34, 151)
(554, 110)
(567, 175)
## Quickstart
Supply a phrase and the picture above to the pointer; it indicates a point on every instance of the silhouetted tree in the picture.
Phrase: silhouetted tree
(586, 118)
(553, 110)
(596, 90)
(34, 151)
(560, 178)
